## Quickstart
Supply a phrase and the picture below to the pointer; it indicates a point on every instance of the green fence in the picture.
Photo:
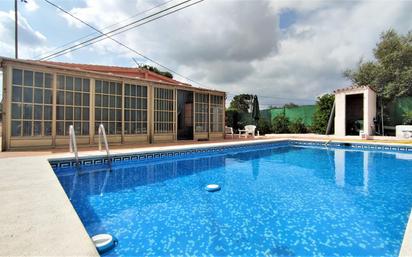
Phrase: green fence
(305, 112)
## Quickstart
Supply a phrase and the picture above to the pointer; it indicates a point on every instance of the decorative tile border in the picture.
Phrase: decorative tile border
(88, 161)
(98, 160)
(396, 148)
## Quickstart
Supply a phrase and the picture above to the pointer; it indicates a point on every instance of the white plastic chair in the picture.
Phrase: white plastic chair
(229, 131)
(249, 129)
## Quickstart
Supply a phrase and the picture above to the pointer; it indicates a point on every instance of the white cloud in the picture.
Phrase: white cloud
(31, 6)
(31, 41)
(237, 46)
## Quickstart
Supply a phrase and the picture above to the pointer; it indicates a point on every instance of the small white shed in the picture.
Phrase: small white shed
(355, 109)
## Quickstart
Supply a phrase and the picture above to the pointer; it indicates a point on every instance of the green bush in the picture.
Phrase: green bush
(280, 124)
(297, 126)
(264, 127)
(407, 118)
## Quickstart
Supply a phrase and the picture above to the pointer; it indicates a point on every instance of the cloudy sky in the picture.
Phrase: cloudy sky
(283, 51)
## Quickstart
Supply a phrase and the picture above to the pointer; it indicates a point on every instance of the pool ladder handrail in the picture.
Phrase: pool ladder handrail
(102, 134)
(73, 144)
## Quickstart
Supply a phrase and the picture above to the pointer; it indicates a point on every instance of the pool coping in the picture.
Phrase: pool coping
(40, 219)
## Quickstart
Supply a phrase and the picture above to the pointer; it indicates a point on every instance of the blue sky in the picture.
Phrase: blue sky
(284, 51)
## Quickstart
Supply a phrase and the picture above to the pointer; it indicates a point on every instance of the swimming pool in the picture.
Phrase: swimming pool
(275, 199)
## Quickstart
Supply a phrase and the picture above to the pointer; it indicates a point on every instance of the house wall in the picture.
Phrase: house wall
(53, 139)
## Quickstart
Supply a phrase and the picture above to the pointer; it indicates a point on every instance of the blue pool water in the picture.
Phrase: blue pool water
(277, 201)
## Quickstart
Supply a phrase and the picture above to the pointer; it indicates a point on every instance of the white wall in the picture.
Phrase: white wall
(340, 114)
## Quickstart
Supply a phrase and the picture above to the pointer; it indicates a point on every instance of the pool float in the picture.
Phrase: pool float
(212, 187)
(104, 242)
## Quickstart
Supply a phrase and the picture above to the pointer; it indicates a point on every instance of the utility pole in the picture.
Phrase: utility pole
(16, 36)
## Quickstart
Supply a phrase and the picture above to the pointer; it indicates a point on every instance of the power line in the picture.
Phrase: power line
(127, 47)
(92, 40)
(110, 26)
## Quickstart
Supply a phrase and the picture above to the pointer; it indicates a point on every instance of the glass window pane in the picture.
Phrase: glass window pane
(28, 78)
(105, 87)
(98, 100)
(85, 128)
(60, 128)
(77, 113)
(98, 86)
(69, 113)
(86, 85)
(16, 111)
(16, 128)
(78, 99)
(59, 112)
(16, 94)
(47, 128)
(27, 128)
(48, 80)
(105, 101)
(86, 114)
(17, 77)
(27, 111)
(69, 98)
(112, 88)
(78, 84)
(69, 83)
(37, 128)
(38, 112)
(127, 89)
(119, 89)
(47, 112)
(77, 128)
(119, 115)
(60, 97)
(105, 114)
(60, 82)
(98, 114)
(118, 102)
(112, 101)
(112, 115)
(86, 99)
(38, 79)
(38, 96)
(28, 95)
(48, 99)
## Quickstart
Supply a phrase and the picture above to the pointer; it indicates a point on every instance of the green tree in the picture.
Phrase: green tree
(156, 70)
(323, 109)
(290, 105)
(280, 124)
(241, 102)
(390, 74)
(297, 126)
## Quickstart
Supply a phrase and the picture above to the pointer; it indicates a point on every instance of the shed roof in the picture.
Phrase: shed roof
(353, 88)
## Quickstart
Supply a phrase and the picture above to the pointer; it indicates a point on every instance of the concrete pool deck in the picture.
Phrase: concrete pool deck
(38, 219)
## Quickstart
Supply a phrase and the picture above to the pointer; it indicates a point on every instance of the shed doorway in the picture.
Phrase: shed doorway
(354, 114)
(184, 115)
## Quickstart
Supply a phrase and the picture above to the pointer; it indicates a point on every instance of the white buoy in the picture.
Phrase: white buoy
(212, 187)
(104, 242)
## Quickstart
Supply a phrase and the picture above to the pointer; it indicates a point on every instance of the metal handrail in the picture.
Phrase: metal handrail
(73, 144)
(102, 133)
